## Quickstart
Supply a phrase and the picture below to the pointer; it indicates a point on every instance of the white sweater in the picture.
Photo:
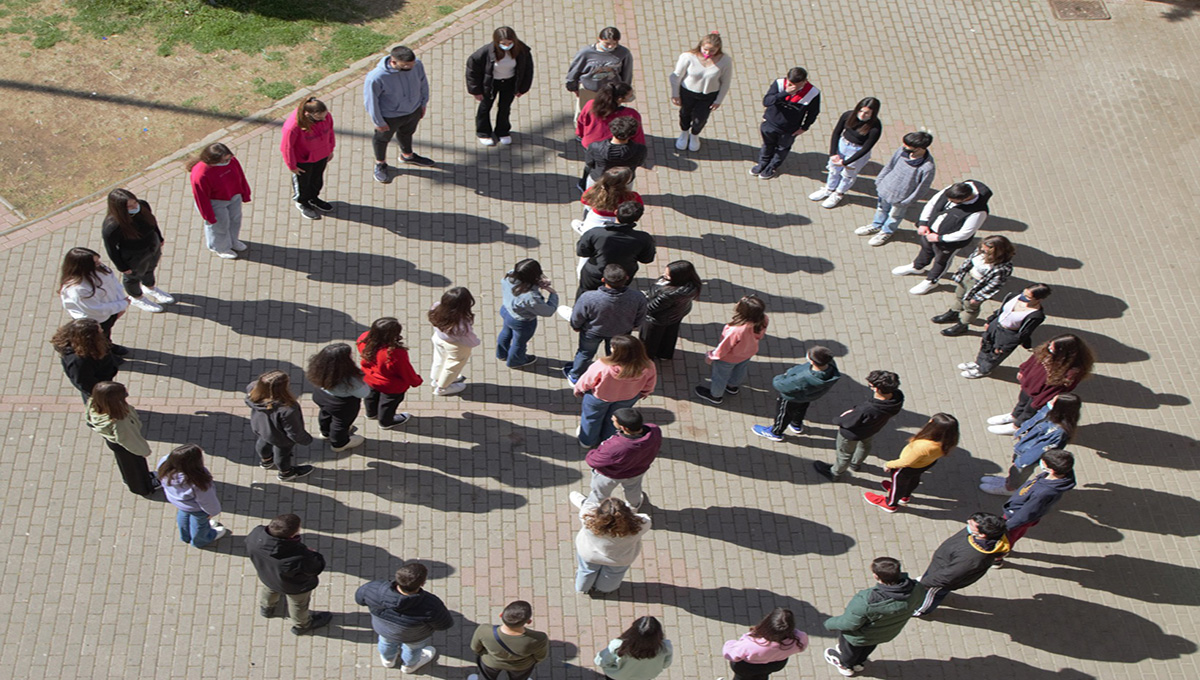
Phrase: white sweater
(695, 76)
(612, 552)
(82, 302)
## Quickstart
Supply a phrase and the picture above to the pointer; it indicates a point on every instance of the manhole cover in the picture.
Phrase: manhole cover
(1075, 10)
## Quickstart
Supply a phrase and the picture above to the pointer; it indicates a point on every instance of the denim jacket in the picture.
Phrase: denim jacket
(1035, 437)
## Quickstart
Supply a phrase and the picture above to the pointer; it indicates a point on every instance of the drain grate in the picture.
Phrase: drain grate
(1078, 10)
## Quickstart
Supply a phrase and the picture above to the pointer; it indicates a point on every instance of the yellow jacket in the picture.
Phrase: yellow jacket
(920, 453)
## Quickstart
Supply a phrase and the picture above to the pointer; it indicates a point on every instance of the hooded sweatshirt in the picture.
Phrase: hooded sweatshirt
(902, 183)
(392, 93)
(306, 146)
(623, 456)
(738, 343)
(390, 372)
(218, 183)
(279, 425)
(1034, 499)
(284, 565)
(868, 418)
(803, 384)
(187, 497)
(756, 650)
(593, 67)
(403, 618)
(609, 312)
(963, 559)
(602, 379)
(877, 615)
(126, 432)
(615, 243)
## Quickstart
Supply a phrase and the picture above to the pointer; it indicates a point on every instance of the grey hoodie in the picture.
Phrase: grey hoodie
(900, 183)
(391, 93)
(609, 312)
(277, 424)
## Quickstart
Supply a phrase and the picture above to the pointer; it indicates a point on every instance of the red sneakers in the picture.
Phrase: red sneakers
(887, 487)
(879, 501)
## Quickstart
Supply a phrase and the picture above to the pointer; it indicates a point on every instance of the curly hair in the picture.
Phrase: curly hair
(385, 333)
(610, 191)
(84, 337)
(612, 518)
(1063, 356)
(334, 365)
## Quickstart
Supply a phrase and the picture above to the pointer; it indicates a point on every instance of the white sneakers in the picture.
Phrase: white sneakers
(820, 194)
(159, 295)
(427, 654)
(226, 254)
(1002, 429)
(239, 246)
(867, 229)
(1002, 419)
(832, 201)
(355, 440)
(577, 499)
(923, 287)
(879, 239)
(487, 141)
(145, 305)
(565, 312)
(694, 143)
(506, 140)
(577, 227)
(681, 142)
(906, 270)
(451, 389)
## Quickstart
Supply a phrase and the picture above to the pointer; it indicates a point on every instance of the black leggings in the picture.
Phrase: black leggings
(904, 482)
(307, 185)
(694, 109)
(134, 469)
(744, 670)
(383, 406)
(336, 416)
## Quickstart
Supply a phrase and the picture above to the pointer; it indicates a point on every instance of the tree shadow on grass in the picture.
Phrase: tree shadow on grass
(755, 529)
(354, 269)
(1132, 577)
(1141, 638)
(1137, 445)
(746, 253)
(711, 209)
(271, 318)
(457, 228)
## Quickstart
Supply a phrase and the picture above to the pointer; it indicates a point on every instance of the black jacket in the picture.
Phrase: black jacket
(997, 337)
(785, 114)
(85, 373)
(667, 304)
(483, 60)
(869, 417)
(124, 251)
(284, 565)
(407, 618)
(603, 155)
(615, 243)
(962, 560)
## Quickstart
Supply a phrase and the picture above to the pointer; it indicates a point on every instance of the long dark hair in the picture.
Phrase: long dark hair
(453, 312)
(1063, 354)
(273, 389)
(304, 111)
(118, 211)
(642, 640)
(84, 337)
(683, 274)
(1065, 413)
(188, 462)
(608, 99)
(109, 398)
(507, 33)
(862, 126)
(630, 354)
(525, 276)
(750, 309)
(385, 333)
(78, 267)
(610, 191)
(779, 626)
(941, 428)
(209, 155)
(334, 365)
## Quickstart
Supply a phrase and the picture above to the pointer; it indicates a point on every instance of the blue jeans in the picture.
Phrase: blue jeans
(727, 374)
(888, 216)
(194, 528)
(410, 652)
(588, 346)
(599, 577)
(595, 421)
(510, 346)
(841, 177)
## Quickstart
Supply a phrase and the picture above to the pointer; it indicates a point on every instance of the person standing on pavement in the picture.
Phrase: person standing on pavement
(1008, 327)
(963, 559)
(930, 444)
(396, 93)
(619, 151)
(593, 122)
(730, 359)
(902, 182)
(607, 545)
(699, 83)
(620, 243)
(387, 371)
(453, 339)
(601, 200)
(289, 568)
(854, 137)
(980, 277)
(219, 188)
(594, 66)
(1056, 366)
(600, 315)
(792, 106)
(87, 356)
(90, 290)
(873, 616)
(278, 424)
(189, 487)
(498, 72)
(948, 222)
(765, 649)
(405, 616)
(339, 394)
(615, 382)
(1037, 496)
(1051, 428)
(799, 387)
(110, 416)
(667, 303)
(858, 426)
(621, 460)
(307, 148)
(134, 244)
(511, 648)
(522, 290)
(641, 653)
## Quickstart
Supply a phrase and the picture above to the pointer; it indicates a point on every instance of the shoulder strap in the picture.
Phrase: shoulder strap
(496, 634)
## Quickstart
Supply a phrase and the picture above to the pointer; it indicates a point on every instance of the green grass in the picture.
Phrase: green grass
(348, 44)
(45, 30)
(445, 10)
(275, 90)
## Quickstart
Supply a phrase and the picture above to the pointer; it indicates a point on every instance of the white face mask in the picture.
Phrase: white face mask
(135, 210)
(506, 47)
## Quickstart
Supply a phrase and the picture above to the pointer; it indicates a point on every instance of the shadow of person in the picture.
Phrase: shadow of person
(1029, 257)
(220, 434)
(227, 374)
(1106, 349)
(1069, 302)
(508, 185)
(996, 222)
(417, 487)
(1145, 510)
(458, 228)
(724, 292)
(711, 209)
(271, 318)
(1137, 445)
(336, 266)
(746, 253)
(738, 606)
(711, 149)
(1140, 638)
(1064, 526)
(1123, 575)
(552, 400)
(1104, 389)
(266, 500)
(509, 467)
(771, 345)
(982, 667)
(810, 164)
(755, 529)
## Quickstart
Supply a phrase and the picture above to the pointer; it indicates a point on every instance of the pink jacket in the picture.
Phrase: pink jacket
(218, 183)
(601, 380)
(738, 343)
(755, 650)
(306, 146)
(592, 128)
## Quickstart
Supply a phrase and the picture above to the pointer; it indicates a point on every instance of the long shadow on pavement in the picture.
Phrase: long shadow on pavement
(335, 266)
(271, 318)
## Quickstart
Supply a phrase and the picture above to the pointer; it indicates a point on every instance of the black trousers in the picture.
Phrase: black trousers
(307, 185)
(744, 670)
(503, 92)
(134, 470)
(1024, 410)
(788, 412)
(904, 482)
(988, 359)
(659, 339)
(402, 128)
(694, 109)
(776, 145)
(494, 674)
(141, 271)
(937, 252)
(107, 325)
(383, 406)
(336, 416)
(281, 456)
(852, 655)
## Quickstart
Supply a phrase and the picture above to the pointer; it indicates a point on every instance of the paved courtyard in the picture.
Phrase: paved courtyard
(1086, 132)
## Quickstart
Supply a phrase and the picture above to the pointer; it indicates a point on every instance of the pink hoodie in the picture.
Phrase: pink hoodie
(218, 183)
(306, 146)
(756, 650)
(738, 343)
(601, 380)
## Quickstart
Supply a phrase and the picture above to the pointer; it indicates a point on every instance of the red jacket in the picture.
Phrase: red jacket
(306, 146)
(595, 129)
(218, 183)
(393, 375)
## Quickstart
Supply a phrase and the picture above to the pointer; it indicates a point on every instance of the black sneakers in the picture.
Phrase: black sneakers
(296, 473)
(319, 620)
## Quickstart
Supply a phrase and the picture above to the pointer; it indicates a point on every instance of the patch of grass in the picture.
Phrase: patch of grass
(45, 30)
(277, 57)
(445, 10)
(311, 79)
(274, 90)
(348, 44)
